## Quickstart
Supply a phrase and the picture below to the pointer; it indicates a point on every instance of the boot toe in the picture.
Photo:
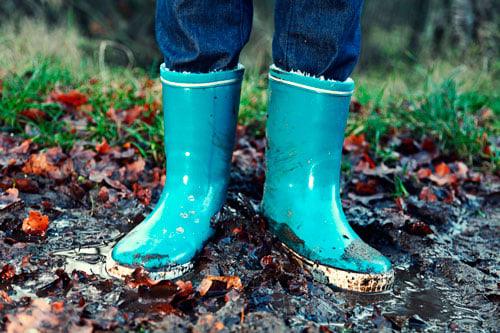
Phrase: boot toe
(362, 258)
(153, 254)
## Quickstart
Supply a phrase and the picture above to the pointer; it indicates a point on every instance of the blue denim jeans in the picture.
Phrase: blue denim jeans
(318, 37)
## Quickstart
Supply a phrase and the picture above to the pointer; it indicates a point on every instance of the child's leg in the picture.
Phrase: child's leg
(318, 37)
(202, 36)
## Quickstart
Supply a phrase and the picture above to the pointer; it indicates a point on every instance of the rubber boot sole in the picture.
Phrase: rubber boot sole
(351, 281)
(118, 271)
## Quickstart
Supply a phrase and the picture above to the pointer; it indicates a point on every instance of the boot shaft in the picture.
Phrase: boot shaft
(305, 132)
(200, 115)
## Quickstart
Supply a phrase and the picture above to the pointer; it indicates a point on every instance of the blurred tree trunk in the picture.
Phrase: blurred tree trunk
(458, 24)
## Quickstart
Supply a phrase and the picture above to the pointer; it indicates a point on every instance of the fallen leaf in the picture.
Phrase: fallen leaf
(35, 223)
(132, 114)
(355, 143)
(58, 306)
(366, 188)
(427, 194)
(103, 147)
(6, 298)
(142, 193)
(72, 98)
(7, 273)
(419, 228)
(424, 173)
(23, 148)
(231, 282)
(33, 114)
(442, 169)
(11, 195)
(185, 288)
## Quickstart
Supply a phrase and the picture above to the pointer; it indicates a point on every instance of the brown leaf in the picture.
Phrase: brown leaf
(366, 188)
(11, 195)
(134, 169)
(419, 228)
(35, 223)
(26, 185)
(231, 282)
(185, 288)
(23, 148)
(142, 193)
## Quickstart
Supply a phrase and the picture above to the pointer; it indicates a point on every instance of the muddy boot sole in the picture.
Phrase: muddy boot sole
(350, 281)
(121, 272)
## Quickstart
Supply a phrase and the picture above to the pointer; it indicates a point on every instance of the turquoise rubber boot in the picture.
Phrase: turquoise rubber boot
(305, 132)
(200, 113)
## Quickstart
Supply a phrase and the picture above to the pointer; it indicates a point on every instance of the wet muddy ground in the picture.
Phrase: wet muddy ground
(446, 257)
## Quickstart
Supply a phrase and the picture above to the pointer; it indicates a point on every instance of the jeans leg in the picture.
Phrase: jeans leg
(318, 37)
(202, 36)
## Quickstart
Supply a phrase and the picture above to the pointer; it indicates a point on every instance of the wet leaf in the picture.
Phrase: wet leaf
(142, 194)
(427, 194)
(230, 281)
(419, 228)
(366, 188)
(35, 223)
(7, 273)
(442, 169)
(424, 173)
(10, 196)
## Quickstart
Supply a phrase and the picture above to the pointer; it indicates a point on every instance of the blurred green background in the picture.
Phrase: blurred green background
(393, 31)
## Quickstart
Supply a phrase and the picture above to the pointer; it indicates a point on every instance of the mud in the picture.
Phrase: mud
(446, 279)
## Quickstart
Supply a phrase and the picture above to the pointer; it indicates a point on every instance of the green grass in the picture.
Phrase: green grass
(438, 109)
(443, 101)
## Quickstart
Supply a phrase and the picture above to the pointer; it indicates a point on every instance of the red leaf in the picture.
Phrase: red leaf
(366, 188)
(427, 194)
(103, 147)
(8, 272)
(424, 173)
(400, 203)
(33, 114)
(35, 223)
(132, 114)
(442, 169)
(428, 145)
(419, 228)
(355, 143)
(58, 306)
(72, 98)
(142, 193)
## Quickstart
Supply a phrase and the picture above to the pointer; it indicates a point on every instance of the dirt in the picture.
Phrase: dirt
(445, 258)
